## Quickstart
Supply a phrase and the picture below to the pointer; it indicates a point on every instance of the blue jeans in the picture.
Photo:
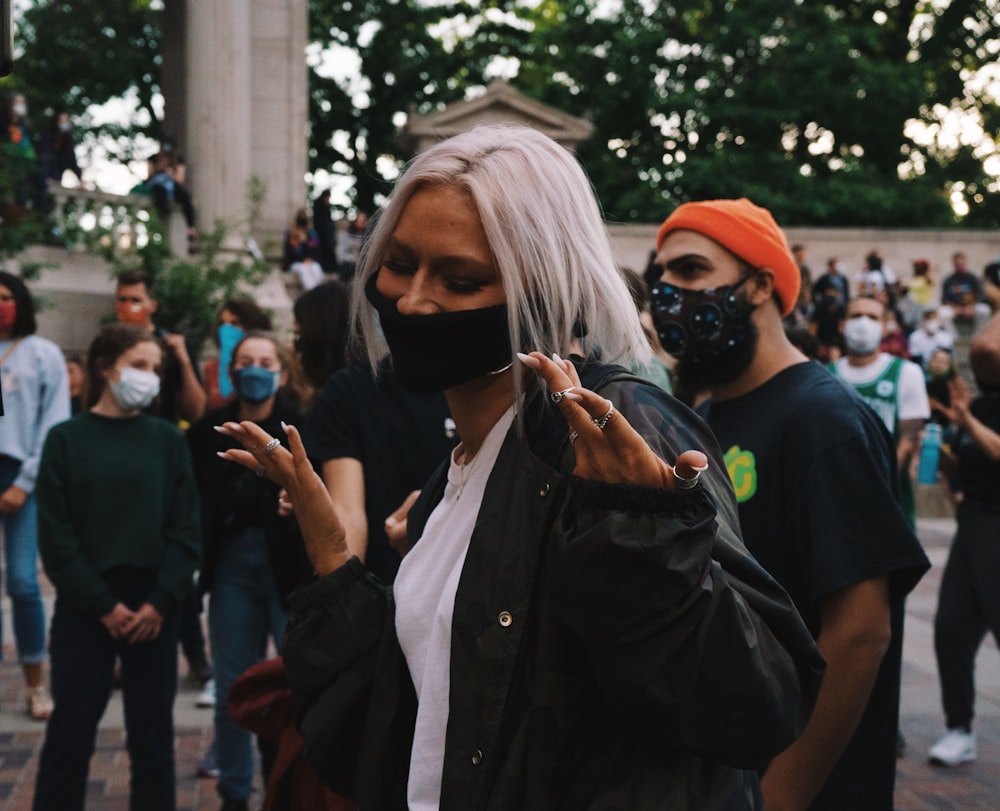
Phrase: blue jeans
(20, 546)
(83, 658)
(243, 609)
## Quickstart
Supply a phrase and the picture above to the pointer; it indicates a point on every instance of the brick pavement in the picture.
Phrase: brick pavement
(920, 787)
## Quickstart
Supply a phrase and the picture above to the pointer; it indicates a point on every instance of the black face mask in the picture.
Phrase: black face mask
(432, 353)
(710, 332)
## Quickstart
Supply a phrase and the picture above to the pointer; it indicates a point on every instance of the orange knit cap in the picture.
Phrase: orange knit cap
(746, 230)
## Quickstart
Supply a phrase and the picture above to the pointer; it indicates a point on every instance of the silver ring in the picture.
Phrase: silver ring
(557, 396)
(572, 436)
(600, 422)
(260, 471)
(688, 484)
(270, 446)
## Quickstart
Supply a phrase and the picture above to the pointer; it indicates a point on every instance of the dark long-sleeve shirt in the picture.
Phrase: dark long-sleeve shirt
(117, 494)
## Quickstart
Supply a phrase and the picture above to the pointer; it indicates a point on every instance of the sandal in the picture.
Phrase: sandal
(40, 704)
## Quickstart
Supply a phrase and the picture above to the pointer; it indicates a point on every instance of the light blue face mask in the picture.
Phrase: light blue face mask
(255, 383)
(229, 336)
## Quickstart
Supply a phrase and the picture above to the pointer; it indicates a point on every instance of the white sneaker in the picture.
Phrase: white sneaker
(954, 747)
(206, 698)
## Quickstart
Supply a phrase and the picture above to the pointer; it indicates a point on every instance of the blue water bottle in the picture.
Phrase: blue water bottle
(930, 453)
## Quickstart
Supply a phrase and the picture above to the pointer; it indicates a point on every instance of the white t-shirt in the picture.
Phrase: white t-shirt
(424, 591)
(870, 282)
(911, 392)
(923, 345)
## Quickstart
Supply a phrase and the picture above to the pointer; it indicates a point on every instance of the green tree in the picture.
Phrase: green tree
(808, 107)
(84, 53)
(802, 106)
(402, 67)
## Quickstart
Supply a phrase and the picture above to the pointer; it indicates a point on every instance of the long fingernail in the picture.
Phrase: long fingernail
(284, 426)
(527, 360)
(572, 395)
(557, 359)
(221, 454)
(220, 428)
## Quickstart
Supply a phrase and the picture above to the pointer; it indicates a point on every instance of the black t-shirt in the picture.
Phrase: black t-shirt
(399, 438)
(814, 471)
(978, 474)
(961, 287)
(830, 295)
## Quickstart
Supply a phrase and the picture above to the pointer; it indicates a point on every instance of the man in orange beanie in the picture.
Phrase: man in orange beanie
(815, 477)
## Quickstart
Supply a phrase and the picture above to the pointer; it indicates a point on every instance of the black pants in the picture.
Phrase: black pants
(181, 196)
(968, 607)
(192, 637)
(83, 656)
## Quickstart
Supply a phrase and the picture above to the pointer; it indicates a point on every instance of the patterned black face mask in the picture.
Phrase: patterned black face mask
(698, 326)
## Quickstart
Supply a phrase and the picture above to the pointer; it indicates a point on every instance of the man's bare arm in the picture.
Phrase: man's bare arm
(854, 636)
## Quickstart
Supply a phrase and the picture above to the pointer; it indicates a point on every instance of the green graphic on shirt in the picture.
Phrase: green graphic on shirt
(742, 467)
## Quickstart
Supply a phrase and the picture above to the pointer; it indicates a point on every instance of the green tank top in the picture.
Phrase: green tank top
(881, 394)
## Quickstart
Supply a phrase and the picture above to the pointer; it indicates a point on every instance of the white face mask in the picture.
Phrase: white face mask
(862, 335)
(931, 326)
(135, 389)
(20, 109)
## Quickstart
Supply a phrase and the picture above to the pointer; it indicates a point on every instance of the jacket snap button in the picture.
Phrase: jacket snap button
(543, 491)
(506, 618)
(477, 757)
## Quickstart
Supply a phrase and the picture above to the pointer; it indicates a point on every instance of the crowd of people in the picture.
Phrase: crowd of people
(503, 524)
(314, 249)
(32, 157)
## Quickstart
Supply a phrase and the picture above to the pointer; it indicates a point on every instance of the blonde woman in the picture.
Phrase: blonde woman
(576, 623)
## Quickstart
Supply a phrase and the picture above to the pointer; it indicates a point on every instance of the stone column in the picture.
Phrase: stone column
(247, 108)
(219, 117)
(280, 110)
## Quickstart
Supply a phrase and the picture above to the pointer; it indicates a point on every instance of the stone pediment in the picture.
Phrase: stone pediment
(500, 104)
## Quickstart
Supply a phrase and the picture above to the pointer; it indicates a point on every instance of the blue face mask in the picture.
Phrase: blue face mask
(255, 383)
(229, 336)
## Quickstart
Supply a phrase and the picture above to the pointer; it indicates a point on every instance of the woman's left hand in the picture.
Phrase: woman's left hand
(608, 449)
(143, 626)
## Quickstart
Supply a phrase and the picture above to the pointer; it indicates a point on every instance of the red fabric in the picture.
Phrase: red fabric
(260, 700)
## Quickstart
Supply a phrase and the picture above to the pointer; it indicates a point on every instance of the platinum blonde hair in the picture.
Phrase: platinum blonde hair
(547, 236)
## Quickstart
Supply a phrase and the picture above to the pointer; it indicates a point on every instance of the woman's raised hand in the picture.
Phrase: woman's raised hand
(290, 469)
(607, 448)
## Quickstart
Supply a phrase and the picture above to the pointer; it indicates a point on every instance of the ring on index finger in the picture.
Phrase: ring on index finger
(270, 446)
(557, 396)
(572, 436)
(601, 421)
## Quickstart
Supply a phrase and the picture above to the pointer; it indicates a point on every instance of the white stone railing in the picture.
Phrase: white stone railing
(85, 216)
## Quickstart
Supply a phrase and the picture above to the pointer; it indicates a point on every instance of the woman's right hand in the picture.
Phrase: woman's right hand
(608, 449)
(291, 470)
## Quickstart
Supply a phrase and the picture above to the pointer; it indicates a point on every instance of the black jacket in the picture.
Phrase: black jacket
(612, 647)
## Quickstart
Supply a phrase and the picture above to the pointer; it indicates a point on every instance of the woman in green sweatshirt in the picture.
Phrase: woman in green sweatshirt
(119, 536)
